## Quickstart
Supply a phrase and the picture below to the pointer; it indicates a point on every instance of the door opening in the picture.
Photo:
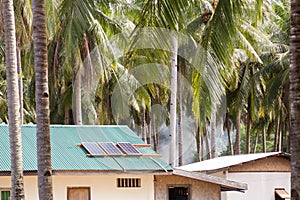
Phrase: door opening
(178, 193)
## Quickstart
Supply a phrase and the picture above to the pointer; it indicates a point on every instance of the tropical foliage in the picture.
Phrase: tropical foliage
(110, 63)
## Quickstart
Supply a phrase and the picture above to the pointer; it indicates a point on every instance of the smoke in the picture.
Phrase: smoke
(128, 93)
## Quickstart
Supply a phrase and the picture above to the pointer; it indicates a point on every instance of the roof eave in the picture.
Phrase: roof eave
(233, 185)
(93, 172)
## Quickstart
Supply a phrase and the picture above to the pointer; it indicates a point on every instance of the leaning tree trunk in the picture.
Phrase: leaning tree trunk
(17, 184)
(42, 100)
(295, 99)
(276, 134)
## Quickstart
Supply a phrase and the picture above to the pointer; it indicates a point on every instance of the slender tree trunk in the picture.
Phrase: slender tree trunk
(67, 115)
(88, 70)
(228, 127)
(198, 143)
(89, 86)
(55, 62)
(201, 147)
(155, 135)
(42, 100)
(238, 134)
(108, 107)
(173, 104)
(208, 152)
(144, 125)
(280, 141)
(295, 99)
(264, 142)
(213, 141)
(78, 109)
(20, 83)
(180, 136)
(149, 131)
(248, 136)
(276, 136)
(17, 183)
(255, 142)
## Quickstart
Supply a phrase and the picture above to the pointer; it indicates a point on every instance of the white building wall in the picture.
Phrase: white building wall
(101, 187)
(261, 185)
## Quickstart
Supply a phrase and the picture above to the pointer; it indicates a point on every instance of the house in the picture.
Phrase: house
(266, 174)
(105, 162)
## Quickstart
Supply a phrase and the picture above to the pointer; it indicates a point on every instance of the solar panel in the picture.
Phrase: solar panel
(93, 148)
(110, 148)
(128, 148)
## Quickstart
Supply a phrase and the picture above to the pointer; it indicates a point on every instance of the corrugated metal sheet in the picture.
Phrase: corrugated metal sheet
(66, 155)
(225, 161)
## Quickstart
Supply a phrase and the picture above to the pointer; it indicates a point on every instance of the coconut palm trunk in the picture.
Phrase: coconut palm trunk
(228, 127)
(17, 184)
(20, 83)
(213, 140)
(173, 104)
(198, 144)
(295, 99)
(248, 127)
(264, 142)
(78, 109)
(238, 134)
(180, 134)
(42, 100)
(255, 142)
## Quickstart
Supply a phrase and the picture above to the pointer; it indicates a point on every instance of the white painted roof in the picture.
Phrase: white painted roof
(225, 161)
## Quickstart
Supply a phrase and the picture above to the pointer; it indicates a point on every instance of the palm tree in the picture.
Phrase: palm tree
(294, 100)
(82, 27)
(42, 100)
(13, 101)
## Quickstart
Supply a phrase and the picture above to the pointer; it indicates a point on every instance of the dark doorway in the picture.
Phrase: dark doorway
(178, 193)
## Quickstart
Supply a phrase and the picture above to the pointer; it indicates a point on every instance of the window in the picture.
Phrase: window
(178, 193)
(5, 194)
(78, 193)
(129, 182)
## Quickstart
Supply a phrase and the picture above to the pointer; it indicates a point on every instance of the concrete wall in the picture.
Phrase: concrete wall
(261, 185)
(198, 189)
(101, 187)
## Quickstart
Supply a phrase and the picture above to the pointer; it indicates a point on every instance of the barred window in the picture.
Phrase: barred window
(129, 182)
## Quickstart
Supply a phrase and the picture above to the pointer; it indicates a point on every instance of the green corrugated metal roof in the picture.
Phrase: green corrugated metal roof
(66, 155)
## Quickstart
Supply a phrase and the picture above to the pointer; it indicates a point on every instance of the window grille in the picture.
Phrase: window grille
(128, 182)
